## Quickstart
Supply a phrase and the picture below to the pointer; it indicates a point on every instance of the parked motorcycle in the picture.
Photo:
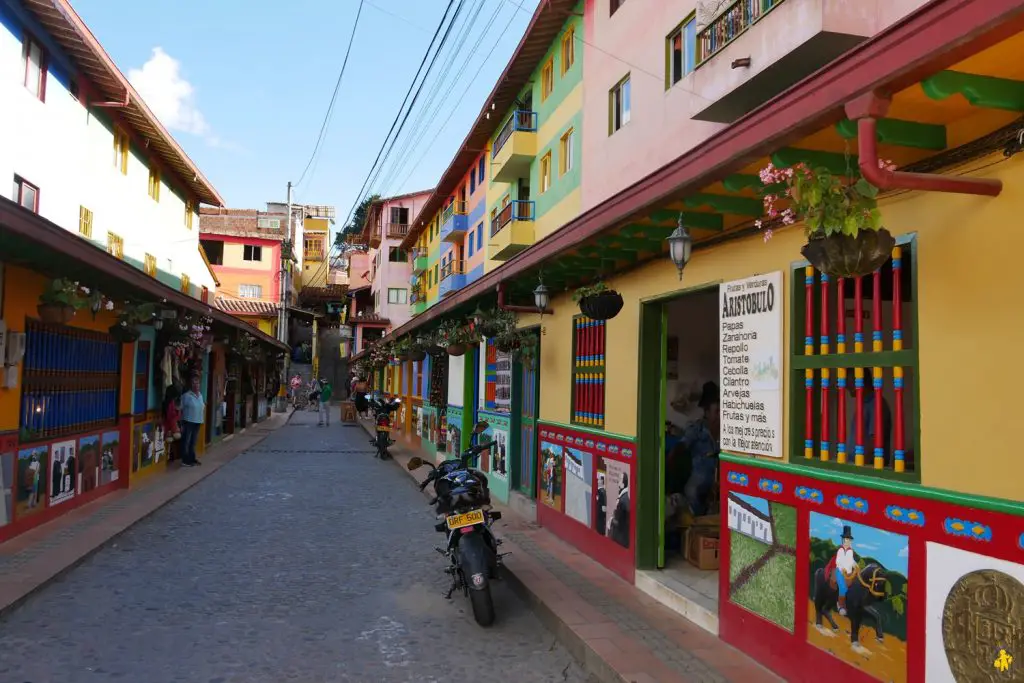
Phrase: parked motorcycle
(382, 409)
(462, 502)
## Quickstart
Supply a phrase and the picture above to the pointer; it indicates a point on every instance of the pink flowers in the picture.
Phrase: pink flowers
(886, 165)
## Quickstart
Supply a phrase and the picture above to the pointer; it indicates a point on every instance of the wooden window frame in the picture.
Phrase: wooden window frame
(27, 42)
(154, 183)
(545, 172)
(186, 284)
(568, 49)
(149, 265)
(801, 364)
(565, 154)
(190, 208)
(85, 218)
(122, 148)
(115, 245)
(20, 183)
(547, 79)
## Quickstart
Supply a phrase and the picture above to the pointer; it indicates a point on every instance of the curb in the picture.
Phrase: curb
(598, 669)
(11, 606)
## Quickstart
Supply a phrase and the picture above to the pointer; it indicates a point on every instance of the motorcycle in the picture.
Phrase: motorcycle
(462, 503)
(382, 409)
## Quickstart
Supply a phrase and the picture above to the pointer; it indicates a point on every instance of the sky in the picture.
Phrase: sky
(244, 87)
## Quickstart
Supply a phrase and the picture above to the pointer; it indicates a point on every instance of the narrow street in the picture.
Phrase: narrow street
(304, 559)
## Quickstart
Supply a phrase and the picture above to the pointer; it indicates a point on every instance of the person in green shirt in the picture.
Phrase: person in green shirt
(324, 415)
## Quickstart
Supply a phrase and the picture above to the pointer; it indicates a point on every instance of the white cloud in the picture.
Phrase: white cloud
(170, 96)
(905, 551)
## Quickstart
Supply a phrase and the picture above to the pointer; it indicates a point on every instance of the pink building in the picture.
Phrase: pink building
(387, 224)
(641, 115)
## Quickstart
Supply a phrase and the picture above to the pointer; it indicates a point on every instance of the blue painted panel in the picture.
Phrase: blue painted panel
(452, 284)
(455, 227)
(475, 274)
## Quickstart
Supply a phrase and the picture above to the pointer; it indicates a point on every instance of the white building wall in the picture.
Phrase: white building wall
(743, 521)
(68, 153)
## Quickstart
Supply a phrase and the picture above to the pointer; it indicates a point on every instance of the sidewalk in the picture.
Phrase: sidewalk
(30, 561)
(615, 631)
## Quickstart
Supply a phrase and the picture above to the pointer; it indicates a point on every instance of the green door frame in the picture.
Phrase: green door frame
(528, 488)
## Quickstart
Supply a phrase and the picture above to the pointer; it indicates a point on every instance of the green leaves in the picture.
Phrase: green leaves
(828, 205)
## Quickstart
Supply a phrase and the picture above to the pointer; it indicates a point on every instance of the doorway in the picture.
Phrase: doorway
(525, 412)
(679, 423)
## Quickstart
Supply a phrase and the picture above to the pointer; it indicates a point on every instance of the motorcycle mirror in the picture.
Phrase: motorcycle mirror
(481, 427)
(415, 463)
(398, 400)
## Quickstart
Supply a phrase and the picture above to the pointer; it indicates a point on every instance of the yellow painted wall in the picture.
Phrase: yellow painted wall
(234, 257)
(433, 256)
(970, 327)
(21, 295)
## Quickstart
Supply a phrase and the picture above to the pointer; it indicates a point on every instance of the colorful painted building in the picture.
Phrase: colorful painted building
(105, 295)
(315, 259)
(839, 444)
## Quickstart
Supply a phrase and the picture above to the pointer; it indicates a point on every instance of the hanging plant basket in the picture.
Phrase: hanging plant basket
(456, 349)
(126, 334)
(508, 345)
(845, 256)
(417, 355)
(55, 313)
(437, 351)
(603, 306)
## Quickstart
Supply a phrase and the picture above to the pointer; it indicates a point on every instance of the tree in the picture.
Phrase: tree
(359, 216)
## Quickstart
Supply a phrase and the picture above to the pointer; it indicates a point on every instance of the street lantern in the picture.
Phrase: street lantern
(541, 297)
(680, 244)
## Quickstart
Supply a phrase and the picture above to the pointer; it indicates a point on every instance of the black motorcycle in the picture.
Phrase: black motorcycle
(463, 503)
(382, 409)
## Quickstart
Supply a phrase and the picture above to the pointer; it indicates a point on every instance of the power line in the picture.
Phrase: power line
(334, 95)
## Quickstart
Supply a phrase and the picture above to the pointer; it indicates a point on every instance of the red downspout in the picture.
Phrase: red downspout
(866, 110)
(516, 309)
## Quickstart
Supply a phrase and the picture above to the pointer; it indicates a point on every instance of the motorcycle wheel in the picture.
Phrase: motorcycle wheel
(483, 605)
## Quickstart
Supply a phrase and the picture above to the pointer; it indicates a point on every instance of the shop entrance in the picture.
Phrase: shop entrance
(679, 428)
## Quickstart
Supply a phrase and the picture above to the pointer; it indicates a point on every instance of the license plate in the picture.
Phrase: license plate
(383, 429)
(466, 519)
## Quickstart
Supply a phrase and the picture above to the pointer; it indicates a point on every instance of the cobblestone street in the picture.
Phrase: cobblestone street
(302, 560)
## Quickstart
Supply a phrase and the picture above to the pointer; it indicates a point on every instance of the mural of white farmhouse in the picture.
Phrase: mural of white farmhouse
(746, 519)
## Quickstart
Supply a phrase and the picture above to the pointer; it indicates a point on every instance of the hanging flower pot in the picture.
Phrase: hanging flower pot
(598, 302)
(845, 237)
(417, 355)
(845, 256)
(126, 334)
(55, 313)
(507, 344)
(456, 349)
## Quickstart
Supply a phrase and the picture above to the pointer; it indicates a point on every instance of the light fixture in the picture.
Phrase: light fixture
(541, 298)
(680, 244)
(158, 324)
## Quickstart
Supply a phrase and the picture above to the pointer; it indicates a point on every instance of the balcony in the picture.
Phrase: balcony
(512, 230)
(454, 223)
(375, 236)
(419, 306)
(453, 277)
(515, 147)
(397, 231)
(782, 42)
(419, 262)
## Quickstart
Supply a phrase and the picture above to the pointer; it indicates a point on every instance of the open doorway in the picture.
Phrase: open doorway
(680, 429)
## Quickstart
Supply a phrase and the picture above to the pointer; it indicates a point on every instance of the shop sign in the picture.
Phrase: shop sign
(750, 364)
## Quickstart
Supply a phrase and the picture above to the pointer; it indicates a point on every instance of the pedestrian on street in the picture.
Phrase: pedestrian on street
(193, 409)
(324, 417)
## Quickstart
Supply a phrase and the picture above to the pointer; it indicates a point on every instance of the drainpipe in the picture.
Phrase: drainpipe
(866, 110)
(517, 309)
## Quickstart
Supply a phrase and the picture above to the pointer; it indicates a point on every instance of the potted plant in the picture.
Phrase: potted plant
(597, 301)
(433, 343)
(845, 237)
(457, 336)
(417, 349)
(59, 301)
(493, 322)
(402, 348)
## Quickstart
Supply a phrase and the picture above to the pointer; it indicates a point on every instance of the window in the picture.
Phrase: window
(250, 291)
(214, 251)
(565, 161)
(252, 252)
(470, 242)
(588, 362)
(84, 222)
(545, 173)
(186, 284)
(398, 296)
(397, 255)
(480, 237)
(435, 273)
(34, 61)
(497, 379)
(149, 265)
(568, 49)
(472, 182)
(877, 386)
(547, 79)
(268, 223)
(115, 245)
(154, 183)
(26, 194)
(682, 51)
(618, 105)
(313, 248)
(614, 6)
(190, 209)
(121, 147)
(481, 172)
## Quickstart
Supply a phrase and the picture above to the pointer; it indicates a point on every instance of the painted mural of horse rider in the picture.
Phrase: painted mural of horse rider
(845, 562)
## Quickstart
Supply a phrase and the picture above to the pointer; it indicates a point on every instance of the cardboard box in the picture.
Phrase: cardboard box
(702, 548)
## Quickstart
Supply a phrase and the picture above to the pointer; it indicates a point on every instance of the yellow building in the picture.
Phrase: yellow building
(316, 246)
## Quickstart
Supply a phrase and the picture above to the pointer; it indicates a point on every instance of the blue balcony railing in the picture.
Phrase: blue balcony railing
(518, 210)
(520, 120)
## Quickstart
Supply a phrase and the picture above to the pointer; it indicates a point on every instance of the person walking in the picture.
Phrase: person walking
(324, 418)
(193, 408)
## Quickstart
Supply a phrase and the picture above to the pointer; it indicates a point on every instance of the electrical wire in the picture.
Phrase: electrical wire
(334, 96)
